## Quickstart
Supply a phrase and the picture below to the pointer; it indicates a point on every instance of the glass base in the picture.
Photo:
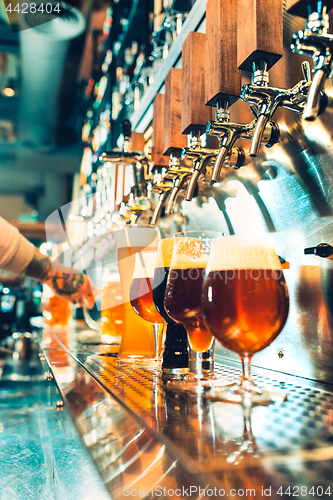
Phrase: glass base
(150, 364)
(248, 395)
(191, 383)
(134, 358)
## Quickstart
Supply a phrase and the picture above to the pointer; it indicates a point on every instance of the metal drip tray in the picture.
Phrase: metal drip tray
(273, 447)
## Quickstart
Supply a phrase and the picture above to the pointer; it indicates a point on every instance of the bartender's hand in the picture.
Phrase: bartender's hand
(65, 282)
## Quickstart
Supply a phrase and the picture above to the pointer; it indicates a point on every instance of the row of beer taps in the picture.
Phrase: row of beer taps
(199, 164)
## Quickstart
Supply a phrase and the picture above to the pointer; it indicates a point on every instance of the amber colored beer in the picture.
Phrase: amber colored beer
(183, 304)
(112, 309)
(245, 309)
(137, 339)
(56, 311)
(141, 297)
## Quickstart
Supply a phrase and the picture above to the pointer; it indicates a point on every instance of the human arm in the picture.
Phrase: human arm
(67, 283)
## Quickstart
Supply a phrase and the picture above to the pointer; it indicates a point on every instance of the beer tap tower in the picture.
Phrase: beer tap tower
(195, 114)
(173, 143)
(140, 165)
(225, 89)
(316, 42)
(259, 53)
(160, 183)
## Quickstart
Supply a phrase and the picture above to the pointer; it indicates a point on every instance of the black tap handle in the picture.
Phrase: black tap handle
(322, 250)
(303, 8)
(127, 129)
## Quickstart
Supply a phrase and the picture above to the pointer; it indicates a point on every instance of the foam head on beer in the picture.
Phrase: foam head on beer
(145, 237)
(164, 253)
(188, 253)
(144, 265)
(233, 252)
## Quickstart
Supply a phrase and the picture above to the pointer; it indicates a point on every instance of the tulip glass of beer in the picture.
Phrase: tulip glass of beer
(141, 295)
(245, 305)
(137, 340)
(175, 355)
(182, 299)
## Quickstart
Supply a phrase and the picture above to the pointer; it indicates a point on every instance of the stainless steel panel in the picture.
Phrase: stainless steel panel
(142, 434)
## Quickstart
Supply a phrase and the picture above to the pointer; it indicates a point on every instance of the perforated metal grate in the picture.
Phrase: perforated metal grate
(294, 439)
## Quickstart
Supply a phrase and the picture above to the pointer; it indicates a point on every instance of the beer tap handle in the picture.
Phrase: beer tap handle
(127, 133)
(173, 140)
(157, 150)
(258, 53)
(253, 43)
(222, 77)
(194, 113)
(127, 129)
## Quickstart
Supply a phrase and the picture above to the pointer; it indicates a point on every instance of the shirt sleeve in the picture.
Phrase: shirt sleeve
(16, 252)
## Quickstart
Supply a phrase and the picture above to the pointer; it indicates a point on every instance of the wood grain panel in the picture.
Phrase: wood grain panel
(173, 140)
(260, 32)
(299, 7)
(157, 137)
(138, 141)
(222, 77)
(195, 114)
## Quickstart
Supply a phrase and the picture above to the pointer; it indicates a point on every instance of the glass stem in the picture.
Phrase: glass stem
(156, 332)
(246, 379)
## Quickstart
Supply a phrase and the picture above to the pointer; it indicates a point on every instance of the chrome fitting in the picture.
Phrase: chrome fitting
(318, 22)
(222, 115)
(260, 78)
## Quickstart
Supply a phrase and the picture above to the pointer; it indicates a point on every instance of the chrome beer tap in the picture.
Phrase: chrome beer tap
(162, 185)
(180, 174)
(228, 132)
(314, 41)
(140, 165)
(200, 157)
(264, 100)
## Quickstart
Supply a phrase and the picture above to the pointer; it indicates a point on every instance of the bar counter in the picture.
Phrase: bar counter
(148, 440)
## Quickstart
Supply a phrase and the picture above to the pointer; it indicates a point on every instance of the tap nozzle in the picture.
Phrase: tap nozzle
(315, 42)
(192, 184)
(220, 158)
(182, 176)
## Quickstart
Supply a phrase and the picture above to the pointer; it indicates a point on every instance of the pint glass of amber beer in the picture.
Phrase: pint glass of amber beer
(183, 298)
(245, 305)
(137, 340)
(111, 305)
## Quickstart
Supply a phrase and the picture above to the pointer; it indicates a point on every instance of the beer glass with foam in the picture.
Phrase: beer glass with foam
(183, 298)
(245, 305)
(137, 340)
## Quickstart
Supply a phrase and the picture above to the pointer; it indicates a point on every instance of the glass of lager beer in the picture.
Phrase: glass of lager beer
(182, 299)
(137, 340)
(141, 296)
(245, 305)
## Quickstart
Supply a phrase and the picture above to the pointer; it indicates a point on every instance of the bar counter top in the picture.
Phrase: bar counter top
(147, 439)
